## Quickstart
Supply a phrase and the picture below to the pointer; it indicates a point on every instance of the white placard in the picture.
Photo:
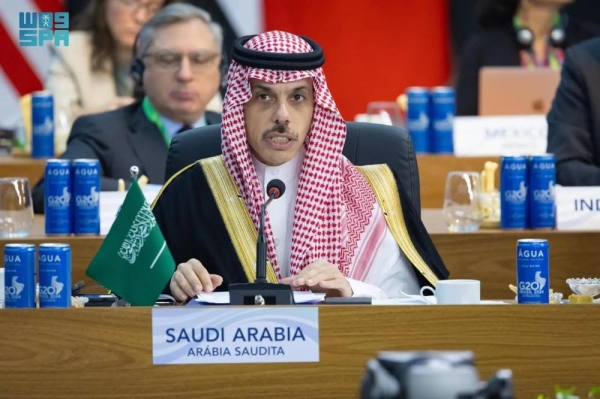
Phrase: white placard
(235, 335)
(500, 135)
(111, 201)
(577, 208)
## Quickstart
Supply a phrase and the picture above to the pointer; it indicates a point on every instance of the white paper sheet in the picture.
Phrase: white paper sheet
(222, 298)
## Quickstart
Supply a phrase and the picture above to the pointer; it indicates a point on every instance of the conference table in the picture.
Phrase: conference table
(433, 170)
(486, 255)
(21, 166)
(107, 352)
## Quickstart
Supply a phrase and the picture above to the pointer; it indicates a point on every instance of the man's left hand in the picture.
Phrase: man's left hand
(321, 276)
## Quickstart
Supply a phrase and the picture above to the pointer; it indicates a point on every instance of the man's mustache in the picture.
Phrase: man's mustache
(280, 128)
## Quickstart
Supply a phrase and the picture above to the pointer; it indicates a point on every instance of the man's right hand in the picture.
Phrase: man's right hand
(190, 278)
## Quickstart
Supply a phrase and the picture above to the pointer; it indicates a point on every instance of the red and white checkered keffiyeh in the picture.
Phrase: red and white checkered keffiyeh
(335, 209)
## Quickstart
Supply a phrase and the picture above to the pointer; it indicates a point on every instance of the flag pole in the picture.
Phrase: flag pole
(134, 171)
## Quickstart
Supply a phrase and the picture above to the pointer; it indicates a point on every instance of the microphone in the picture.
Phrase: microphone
(261, 292)
(275, 189)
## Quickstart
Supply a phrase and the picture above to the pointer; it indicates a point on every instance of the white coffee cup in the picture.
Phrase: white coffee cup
(455, 292)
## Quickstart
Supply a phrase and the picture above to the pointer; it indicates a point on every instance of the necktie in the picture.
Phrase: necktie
(184, 128)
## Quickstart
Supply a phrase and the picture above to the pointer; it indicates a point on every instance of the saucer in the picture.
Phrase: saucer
(585, 286)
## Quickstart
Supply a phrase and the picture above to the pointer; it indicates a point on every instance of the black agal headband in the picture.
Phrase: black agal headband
(278, 61)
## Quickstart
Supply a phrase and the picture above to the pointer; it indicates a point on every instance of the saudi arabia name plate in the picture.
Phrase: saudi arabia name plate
(235, 335)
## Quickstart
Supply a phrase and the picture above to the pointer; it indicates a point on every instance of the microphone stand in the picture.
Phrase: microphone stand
(261, 292)
(261, 246)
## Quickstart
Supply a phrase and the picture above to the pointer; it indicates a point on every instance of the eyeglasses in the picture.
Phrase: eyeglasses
(169, 62)
(151, 7)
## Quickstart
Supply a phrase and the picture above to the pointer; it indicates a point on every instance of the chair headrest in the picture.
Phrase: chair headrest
(366, 144)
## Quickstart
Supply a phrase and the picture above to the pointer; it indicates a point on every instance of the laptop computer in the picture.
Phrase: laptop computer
(516, 90)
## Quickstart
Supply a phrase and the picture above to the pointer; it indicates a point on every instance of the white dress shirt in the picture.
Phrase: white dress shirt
(173, 127)
(392, 273)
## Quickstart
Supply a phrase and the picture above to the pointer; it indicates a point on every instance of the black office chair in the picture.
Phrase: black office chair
(366, 144)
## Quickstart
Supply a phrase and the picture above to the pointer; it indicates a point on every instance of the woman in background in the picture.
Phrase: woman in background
(92, 73)
(527, 33)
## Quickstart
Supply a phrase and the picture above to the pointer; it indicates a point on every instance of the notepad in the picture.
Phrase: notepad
(222, 298)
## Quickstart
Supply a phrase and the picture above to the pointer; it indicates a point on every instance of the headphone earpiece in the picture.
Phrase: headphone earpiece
(136, 70)
(223, 69)
(524, 38)
(557, 38)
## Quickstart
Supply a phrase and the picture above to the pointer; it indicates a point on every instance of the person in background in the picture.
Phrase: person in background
(180, 76)
(527, 33)
(574, 120)
(91, 75)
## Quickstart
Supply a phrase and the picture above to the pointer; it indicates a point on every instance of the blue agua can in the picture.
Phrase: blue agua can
(513, 192)
(417, 118)
(55, 275)
(19, 275)
(57, 197)
(42, 125)
(443, 111)
(533, 271)
(542, 201)
(86, 189)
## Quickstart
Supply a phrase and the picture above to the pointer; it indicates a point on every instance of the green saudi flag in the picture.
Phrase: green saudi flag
(134, 260)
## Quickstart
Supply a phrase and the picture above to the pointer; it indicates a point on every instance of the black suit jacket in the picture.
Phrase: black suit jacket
(119, 139)
(499, 47)
(574, 120)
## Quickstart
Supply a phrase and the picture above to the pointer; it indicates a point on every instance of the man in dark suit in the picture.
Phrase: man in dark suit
(574, 120)
(178, 56)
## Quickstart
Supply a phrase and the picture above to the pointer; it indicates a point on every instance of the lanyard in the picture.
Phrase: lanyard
(154, 117)
(554, 59)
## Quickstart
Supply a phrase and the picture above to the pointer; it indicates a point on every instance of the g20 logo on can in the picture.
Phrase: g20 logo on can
(37, 28)
(13, 291)
(535, 287)
(53, 290)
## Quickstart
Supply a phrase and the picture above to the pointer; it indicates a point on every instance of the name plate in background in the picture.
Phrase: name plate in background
(234, 335)
(577, 208)
(500, 135)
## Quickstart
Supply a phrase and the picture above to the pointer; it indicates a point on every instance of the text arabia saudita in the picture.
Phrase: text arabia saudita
(213, 335)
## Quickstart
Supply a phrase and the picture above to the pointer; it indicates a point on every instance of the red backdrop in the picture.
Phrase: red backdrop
(374, 49)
